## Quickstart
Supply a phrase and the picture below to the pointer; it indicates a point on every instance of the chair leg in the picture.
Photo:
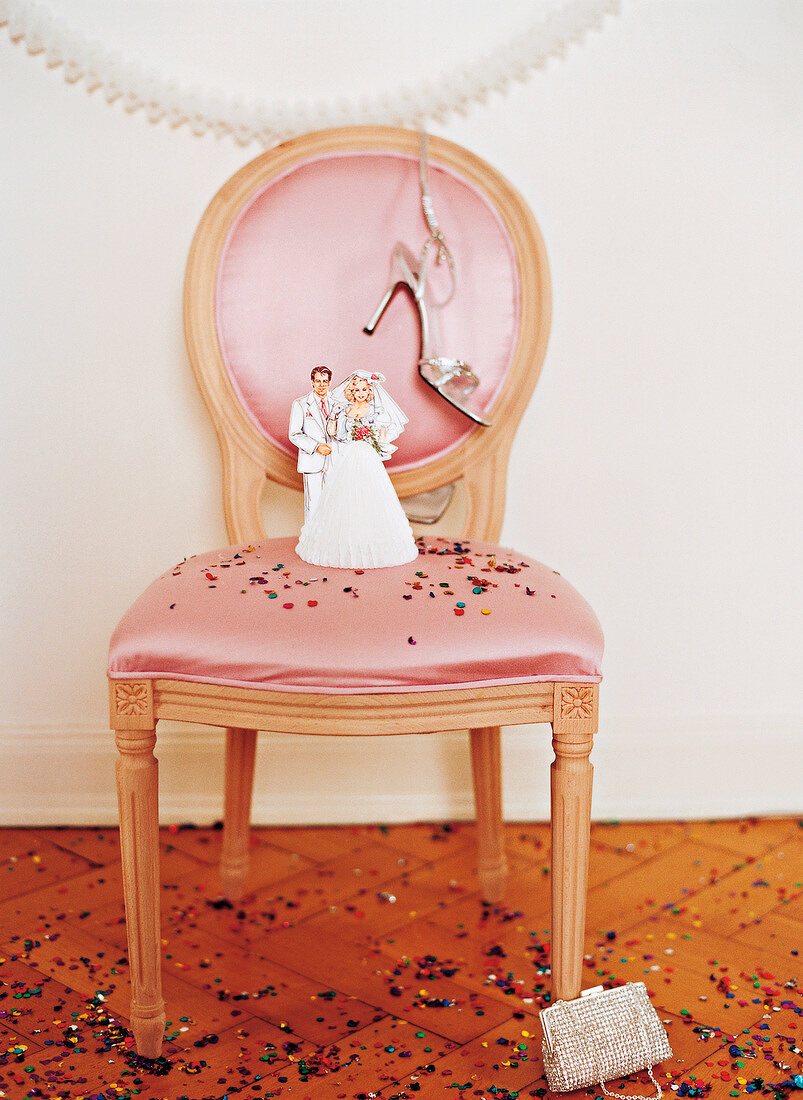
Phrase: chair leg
(138, 796)
(573, 727)
(240, 755)
(486, 765)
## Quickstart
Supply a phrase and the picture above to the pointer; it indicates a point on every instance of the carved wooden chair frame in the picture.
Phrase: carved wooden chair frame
(480, 461)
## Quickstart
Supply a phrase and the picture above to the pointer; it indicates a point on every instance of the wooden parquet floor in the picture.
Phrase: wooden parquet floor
(364, 964)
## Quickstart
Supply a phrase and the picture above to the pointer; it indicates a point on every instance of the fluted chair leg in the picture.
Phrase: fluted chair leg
(486, 765)
(137, 792)
(573, 728)
(240, 756)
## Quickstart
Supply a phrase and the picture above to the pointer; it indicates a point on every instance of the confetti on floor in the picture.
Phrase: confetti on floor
(363, 962)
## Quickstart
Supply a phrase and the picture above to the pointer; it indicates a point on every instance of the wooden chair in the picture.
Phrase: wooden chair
(286, 267)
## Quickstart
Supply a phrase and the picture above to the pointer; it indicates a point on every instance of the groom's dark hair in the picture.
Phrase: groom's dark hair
(320, 370)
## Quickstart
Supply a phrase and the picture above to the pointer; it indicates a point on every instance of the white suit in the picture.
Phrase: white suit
(307, 431)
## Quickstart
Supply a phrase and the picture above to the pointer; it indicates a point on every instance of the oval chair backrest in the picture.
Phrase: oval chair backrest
(288, 265)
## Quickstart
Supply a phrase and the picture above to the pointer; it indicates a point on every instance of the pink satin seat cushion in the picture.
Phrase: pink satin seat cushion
(259, 617)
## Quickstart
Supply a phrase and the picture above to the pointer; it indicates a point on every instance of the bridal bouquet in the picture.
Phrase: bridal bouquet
(366, 432)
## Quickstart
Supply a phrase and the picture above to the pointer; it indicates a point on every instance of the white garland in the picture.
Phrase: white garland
(139, 88)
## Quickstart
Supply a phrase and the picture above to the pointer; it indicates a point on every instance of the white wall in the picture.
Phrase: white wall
(657, 467)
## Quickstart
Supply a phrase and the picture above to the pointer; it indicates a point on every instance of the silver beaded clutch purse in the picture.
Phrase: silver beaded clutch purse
(603, 1035)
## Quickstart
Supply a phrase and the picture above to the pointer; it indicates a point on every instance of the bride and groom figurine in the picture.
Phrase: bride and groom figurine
(352, 515)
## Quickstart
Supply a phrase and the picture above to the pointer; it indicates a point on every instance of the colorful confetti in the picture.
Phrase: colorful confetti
(363, 962)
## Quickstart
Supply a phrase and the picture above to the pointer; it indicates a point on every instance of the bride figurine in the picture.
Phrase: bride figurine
(358, 521)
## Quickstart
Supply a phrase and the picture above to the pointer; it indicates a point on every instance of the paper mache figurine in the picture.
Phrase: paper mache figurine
(353, 518)
(308, 416)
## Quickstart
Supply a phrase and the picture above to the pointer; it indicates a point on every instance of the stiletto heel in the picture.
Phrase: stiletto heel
(401, 274)
(383, 305)
(453, 379)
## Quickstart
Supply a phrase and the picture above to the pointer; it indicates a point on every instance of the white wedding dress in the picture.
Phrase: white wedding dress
(358, 522)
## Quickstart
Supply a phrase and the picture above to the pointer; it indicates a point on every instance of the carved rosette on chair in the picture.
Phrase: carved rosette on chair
(284, 270)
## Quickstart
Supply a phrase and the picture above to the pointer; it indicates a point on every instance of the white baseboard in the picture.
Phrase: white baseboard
(645, 769)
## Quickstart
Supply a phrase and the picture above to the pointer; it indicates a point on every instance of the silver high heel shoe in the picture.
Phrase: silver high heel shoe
(453, 379)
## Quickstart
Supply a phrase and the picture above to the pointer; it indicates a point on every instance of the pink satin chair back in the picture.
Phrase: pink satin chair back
(288, 265)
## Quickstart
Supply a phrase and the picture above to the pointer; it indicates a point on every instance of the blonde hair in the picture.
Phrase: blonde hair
(348, 392)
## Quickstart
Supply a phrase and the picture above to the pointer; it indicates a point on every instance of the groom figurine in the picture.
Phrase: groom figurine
(308, 417)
